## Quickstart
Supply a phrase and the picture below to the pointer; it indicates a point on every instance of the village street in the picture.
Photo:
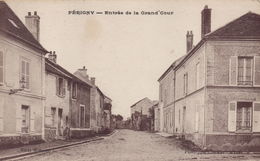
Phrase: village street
(128, 145)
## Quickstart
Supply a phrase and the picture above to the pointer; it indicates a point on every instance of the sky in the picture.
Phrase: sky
(125, 53)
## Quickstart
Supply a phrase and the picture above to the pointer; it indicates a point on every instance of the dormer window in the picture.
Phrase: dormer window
(13, 23)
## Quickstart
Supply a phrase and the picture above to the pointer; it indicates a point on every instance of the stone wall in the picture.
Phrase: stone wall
(14, 141)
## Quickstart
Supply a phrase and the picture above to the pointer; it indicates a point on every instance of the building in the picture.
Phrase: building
(107, 113)
(22, 78)
(141, 113)
(217, 92)
(98, 103)
(156, 118)
(58, 95)
(167, 98)
(80, 125)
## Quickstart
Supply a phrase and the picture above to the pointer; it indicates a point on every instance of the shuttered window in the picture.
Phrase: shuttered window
(25, 74)
(60, 84)
(1, 67)
(244, 116)
(245, 66)
(74, 90)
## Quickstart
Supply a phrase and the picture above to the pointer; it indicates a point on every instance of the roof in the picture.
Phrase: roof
(244, 27)
(80, 76)
(175, 63)
(139, 101)
(57, 69)
(12, 25)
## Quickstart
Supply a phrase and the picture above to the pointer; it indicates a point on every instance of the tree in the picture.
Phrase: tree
(119, 117)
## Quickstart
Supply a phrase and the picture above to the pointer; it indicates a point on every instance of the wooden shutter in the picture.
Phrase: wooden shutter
(18, 119)
(257, 71)
(1, 115)
(232, 116)
(32, 119)
(233, 70)
(256, 117)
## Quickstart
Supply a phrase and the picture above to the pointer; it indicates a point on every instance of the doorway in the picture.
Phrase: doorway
(183, 119)
(60, 122)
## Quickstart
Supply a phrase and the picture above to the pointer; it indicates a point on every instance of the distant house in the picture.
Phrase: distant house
(217, 86)
(22, 75)
(141, 114)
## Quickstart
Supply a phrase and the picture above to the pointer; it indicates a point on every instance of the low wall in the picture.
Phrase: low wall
(81, 133)
(239, 142)
(14, 141)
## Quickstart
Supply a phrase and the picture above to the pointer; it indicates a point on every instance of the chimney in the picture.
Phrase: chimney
(52, 56)
(205, 21)
(32, 23)
(189, 39)
(83, 72)
(93, 79)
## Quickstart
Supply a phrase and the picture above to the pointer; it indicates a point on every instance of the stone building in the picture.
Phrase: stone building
(217, 94)
(141, 114)
(80, 108)
(58, 96)
(98, 115)
(108, 113)
(167, 98)
(22, 78)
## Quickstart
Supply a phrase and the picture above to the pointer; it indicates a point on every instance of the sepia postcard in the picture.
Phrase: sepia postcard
(130, 80)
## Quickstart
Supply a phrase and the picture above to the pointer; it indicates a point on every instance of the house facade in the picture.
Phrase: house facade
(167, 98)
(57, 106)
(80, 108)
(141, 114)
(22, 79)
(100, 105)
(225, 89)
(217, 90)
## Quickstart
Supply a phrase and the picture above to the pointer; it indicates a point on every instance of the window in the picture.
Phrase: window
(185, 84)
(53, 114)
(82, 116)
(197, 75)
(25, 74)
(25, 119)
(244, 116)
(60, 86)
(245, 65)
(74, 90)
(1, 67)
